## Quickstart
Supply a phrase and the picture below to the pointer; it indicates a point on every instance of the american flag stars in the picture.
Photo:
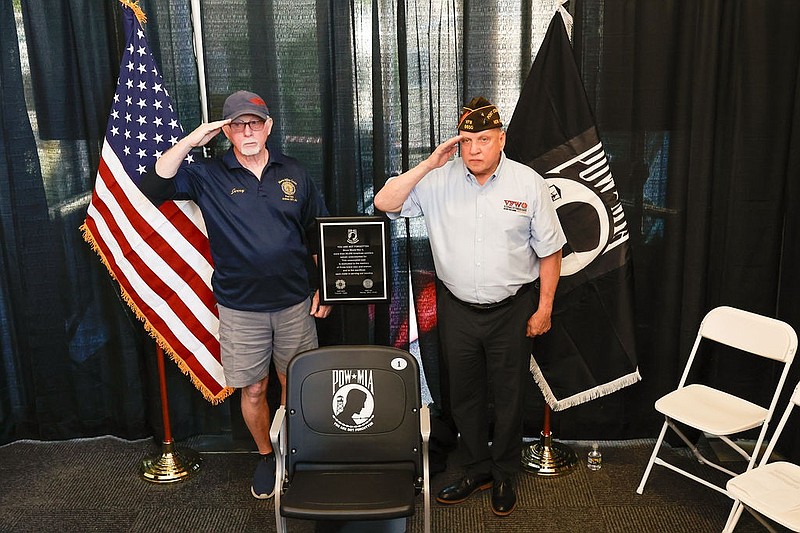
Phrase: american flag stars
(142, 124)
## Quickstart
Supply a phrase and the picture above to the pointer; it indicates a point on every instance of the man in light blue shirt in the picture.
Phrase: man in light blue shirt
(496, 243)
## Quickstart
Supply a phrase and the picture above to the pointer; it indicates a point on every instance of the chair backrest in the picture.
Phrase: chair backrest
(758, 334)
(353, 405)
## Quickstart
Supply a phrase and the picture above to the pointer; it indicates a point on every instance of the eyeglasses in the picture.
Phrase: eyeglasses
(255, 125)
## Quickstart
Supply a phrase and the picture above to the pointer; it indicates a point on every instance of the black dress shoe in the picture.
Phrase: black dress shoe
(464, 488)
(503, 498)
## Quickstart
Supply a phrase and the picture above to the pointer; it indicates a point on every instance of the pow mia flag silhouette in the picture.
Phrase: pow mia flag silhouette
(353, 400)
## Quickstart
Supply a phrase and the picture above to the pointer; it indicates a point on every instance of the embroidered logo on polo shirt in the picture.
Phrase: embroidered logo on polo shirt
(515, 206)
(289, 188)
(236, 190)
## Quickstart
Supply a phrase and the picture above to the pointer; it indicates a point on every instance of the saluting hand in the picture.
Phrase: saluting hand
(443, 152)
(391, 197)
(206, 131)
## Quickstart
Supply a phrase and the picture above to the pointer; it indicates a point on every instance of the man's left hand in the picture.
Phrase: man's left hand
(317, 310)
(538, 323)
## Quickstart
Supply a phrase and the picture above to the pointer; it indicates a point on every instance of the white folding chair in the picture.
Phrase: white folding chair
(716, 412)
(769, 490)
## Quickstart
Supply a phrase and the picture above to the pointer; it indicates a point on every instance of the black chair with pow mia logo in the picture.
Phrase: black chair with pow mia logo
(351, 443)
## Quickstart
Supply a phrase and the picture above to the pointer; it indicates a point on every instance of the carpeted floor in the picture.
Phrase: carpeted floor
(94, 485)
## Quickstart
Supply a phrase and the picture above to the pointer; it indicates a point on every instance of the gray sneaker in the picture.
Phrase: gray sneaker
(263, 486)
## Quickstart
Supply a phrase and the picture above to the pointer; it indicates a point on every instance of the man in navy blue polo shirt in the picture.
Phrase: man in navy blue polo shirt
(259, 207)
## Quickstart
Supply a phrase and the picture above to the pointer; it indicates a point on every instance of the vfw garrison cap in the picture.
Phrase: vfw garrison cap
(478, 115)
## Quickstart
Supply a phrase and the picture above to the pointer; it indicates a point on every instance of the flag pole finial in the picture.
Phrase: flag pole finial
(134, 5)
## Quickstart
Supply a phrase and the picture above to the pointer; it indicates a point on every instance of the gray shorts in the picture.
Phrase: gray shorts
(249, 340)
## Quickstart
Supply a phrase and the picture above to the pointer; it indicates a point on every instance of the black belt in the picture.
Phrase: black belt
(494, 305)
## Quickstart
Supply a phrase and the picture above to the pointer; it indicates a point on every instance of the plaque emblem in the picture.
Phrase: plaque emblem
(352, 236)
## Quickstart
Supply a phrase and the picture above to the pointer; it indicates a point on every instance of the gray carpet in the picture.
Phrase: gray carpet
(94, 485)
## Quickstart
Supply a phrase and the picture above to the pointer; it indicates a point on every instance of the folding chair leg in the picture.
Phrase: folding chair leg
(755, 514)
(652, 460)
(702, 459)
(736, 513)
(733, 517)
(277, 436)
(425, 431)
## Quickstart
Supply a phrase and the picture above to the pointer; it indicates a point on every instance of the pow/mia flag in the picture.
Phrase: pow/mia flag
(590, 350)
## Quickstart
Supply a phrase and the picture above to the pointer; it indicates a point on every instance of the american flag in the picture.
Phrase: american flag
(159, 256)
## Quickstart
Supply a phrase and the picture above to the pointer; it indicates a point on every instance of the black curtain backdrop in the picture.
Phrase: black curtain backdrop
(697, 104)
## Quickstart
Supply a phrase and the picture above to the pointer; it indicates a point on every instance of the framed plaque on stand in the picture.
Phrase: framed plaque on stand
(353, 260)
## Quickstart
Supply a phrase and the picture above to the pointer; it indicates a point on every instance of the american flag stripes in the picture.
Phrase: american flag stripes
(160, 256)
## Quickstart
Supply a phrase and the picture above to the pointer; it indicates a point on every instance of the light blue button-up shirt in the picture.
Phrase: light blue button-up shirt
(486, 240)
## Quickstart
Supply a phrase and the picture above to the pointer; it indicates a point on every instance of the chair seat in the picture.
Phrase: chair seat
(342, 495)
(711, 410)
(773, 489)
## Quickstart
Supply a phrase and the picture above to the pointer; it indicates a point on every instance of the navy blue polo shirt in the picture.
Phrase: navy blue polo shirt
(258, 229)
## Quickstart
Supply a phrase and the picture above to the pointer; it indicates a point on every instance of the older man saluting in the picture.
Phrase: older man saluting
(258, 206)
(496, 243)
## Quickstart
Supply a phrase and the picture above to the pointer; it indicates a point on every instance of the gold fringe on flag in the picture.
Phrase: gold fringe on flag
(209, 396)
(134, 6)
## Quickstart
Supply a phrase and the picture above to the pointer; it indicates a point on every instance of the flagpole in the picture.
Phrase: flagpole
(197, 38)
(197, 30)
(547, 457)
(173, 464)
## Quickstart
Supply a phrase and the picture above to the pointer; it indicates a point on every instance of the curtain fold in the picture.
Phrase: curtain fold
(54, 383)
(697, 104)
(788, 306)
(70, 57)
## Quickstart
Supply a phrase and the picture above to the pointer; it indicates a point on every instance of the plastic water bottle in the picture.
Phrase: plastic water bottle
(595, 459)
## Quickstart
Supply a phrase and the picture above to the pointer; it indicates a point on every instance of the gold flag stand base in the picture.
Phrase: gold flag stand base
(548, 458)
(172, 465)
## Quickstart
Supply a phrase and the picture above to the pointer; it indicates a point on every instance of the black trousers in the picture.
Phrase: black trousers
(482, 349)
